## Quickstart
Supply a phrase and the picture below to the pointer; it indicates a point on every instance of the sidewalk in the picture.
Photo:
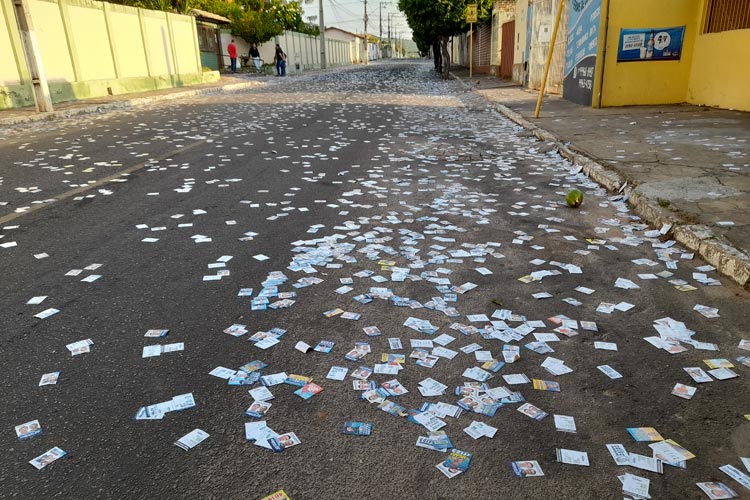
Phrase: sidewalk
(227, 83)
(688, 165)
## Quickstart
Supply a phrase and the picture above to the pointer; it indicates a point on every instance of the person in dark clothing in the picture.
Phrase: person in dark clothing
(280, 60)
(255, 56)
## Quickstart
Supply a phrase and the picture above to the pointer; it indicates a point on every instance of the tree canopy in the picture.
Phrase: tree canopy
(256, 21)
(434, 21)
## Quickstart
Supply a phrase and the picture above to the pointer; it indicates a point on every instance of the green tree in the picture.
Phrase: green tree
(256, 21)
(308, 29)
(433, 22)
(178, 6)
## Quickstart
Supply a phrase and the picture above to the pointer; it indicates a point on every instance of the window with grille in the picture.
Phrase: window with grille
(726, 15)
(207, 39)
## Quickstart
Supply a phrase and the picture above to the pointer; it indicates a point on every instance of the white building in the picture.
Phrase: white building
(357, 44)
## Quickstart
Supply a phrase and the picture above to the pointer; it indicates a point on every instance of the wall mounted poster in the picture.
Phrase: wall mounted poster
(651, 44)
(580, 54)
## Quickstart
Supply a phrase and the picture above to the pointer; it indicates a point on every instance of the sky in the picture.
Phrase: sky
(348, 15)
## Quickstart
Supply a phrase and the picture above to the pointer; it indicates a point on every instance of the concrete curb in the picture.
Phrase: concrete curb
(728, 260)
(126, 104)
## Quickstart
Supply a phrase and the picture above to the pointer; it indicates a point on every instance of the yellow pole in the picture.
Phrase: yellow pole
(549, 59)
(471, 48)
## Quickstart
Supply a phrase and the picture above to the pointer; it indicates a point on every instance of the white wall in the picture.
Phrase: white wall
(303, 51)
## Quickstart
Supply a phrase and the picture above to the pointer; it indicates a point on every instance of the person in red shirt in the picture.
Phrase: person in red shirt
(232, 49)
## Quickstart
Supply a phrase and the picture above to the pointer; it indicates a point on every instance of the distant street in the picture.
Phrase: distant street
(406, 203)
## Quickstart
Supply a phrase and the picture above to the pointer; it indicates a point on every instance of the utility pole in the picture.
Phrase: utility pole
(367, 55)
(380, 36)
(322, 28)
(380, 18)
(390, 47)
(549, 59)
(33, 54)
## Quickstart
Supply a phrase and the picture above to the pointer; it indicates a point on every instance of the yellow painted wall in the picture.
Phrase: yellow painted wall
(126, 37)
(184, 38)
(519, 52)
(92, 42)
(519, 49)
(9, 74)
(649, 82)
(52, 41)
(90, 48)
(157, 36)
(720, 74)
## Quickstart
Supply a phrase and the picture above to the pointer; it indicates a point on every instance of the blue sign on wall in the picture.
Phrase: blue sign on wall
(651, 44)
(580, 54)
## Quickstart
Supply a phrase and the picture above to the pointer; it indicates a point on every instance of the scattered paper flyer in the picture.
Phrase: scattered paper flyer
(48, 457)
(564, 423)
(47, 313)
(619, 454)
(284, 441)
(670, 452)
(717, 490)
(49, 379)
(480, 429)
(526, 468)
(646, 463)
(258, 409)
(698, 375)
(722, 373)
(191, 439)
(337, 373)
(447, 471)
(302, 346)
(458, 460)
(308, 390)
(645, 434)
(222, 372)
(29, 429)
(532, 411)
(635, 486)
(708, 312)
(156, 333)
(157, 350)
(277, 495)
(261, 394)
(607, 346)
(516, 379)
(684, 391)
(545, 385)
(260, 433)
(357, 428)
(609, 371)
(572, 457)
(80, 347)
(736, 474)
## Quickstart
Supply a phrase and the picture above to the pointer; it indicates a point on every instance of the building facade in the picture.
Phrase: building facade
(622, 52)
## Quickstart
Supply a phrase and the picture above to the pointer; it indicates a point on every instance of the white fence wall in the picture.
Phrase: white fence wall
(303, 51)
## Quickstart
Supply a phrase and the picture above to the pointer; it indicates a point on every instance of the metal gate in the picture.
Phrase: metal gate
(543, 24)
(506, 51)
(481, 51)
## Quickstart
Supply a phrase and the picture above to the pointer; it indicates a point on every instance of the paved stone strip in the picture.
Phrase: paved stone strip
(126, 104)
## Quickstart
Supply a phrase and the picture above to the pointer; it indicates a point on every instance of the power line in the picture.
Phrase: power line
(346, 11)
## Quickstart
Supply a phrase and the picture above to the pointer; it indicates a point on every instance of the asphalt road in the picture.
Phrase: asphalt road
(384, 163)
